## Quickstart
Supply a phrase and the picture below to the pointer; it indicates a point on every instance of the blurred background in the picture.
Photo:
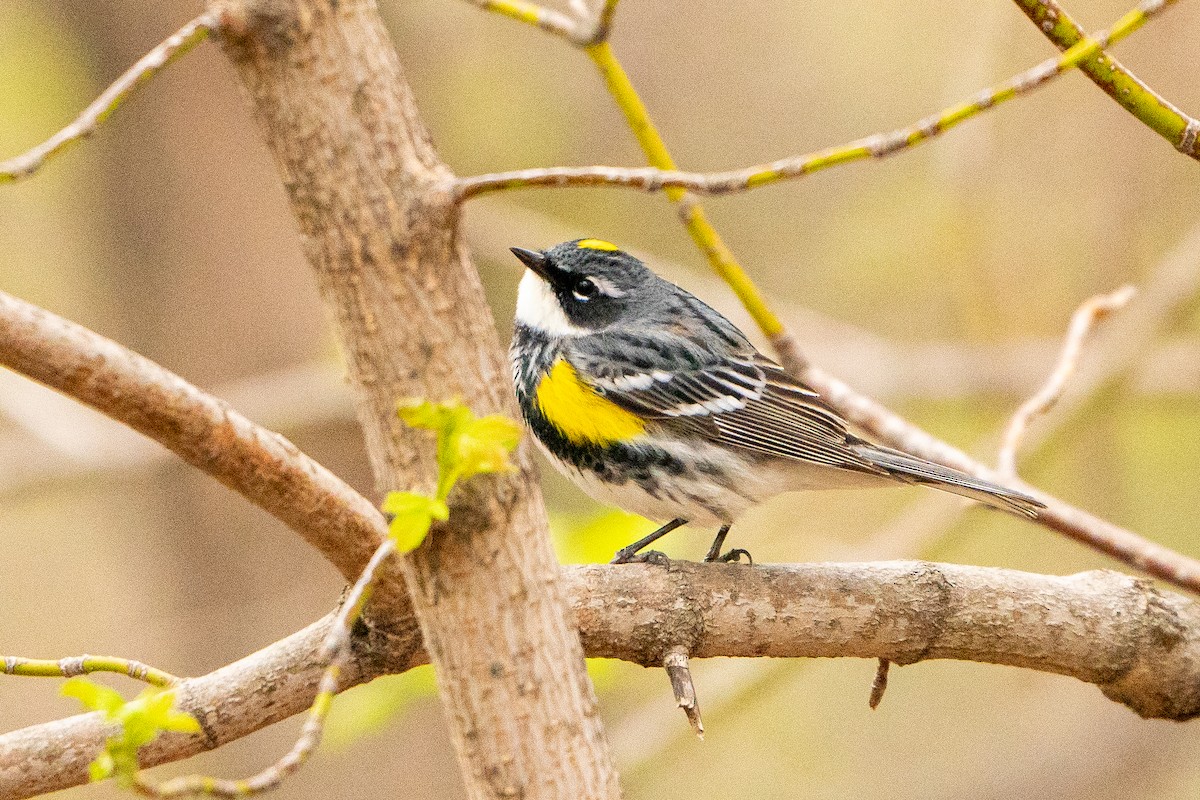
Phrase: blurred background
(940, 280)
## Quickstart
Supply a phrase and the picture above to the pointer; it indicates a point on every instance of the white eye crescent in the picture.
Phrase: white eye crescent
(585, 289)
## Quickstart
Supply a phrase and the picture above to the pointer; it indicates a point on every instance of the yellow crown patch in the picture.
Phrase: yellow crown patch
(596, 244)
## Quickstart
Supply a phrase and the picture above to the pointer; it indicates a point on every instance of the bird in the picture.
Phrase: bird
(650, 400)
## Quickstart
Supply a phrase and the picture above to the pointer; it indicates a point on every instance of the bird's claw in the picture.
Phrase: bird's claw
(655, 557)
(734, 556)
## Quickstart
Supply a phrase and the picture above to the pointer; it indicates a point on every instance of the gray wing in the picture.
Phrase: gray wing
(743, 399)
(739, 398)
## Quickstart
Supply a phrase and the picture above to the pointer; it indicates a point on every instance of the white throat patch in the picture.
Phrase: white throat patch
(538, 308)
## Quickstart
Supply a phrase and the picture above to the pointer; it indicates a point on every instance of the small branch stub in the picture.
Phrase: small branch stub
(879, 685)
(676, 665)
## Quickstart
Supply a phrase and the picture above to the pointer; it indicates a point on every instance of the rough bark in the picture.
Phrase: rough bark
(382, 234)
(1141, 646)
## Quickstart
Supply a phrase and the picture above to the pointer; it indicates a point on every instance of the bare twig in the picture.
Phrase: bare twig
(1140, 645)
(263, 466)
(110, 99)
(1175, 280)
(1082, 322)
(547, 19)
(878, 145)
(675, 662)
(1154, 110)
(602, 24)
(335, 653)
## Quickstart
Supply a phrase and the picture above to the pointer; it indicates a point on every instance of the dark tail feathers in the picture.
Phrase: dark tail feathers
(917, 470)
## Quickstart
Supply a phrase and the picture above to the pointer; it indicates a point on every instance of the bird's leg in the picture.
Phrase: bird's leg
(631, 552)
(714, 552)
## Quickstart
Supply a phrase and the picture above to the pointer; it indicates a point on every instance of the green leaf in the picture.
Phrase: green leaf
(181, 722)
(140, 722)
(93, 696)
(483, 445)
(412, 516)
(467, 445)
(103, 767)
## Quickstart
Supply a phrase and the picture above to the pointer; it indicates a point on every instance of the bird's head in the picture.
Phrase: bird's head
(583, 286)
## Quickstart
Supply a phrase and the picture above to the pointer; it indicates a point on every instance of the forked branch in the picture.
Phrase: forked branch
(1155, 111)
(1085, 50)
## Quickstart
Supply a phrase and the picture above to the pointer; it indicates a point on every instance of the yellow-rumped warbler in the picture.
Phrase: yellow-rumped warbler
(652, 401)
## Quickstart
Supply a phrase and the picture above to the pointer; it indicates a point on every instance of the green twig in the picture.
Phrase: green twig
(1158, 113)
(84, 665)
(666, 178)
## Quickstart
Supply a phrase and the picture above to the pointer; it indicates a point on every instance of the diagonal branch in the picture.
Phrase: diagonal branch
(202, 430)
(1139, 645)
(1154, 110)
(110, 99)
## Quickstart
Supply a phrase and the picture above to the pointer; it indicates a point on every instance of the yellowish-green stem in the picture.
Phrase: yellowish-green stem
(702, 232)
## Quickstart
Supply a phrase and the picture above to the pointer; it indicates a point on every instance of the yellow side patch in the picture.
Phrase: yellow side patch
(580, 414)
(596, 244)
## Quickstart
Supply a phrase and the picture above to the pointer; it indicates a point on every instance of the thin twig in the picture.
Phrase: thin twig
(110, 99)
(1082, 322)
(85, 665)
(1154, 110)
(602, 27)
(547, 19)
(879, 145)
(335, 652)
(680, 674)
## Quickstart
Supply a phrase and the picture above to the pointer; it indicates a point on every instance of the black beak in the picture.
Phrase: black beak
(533, 259)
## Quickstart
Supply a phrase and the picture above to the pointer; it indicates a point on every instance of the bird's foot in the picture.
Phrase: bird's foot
(626, 556)
(734, 556)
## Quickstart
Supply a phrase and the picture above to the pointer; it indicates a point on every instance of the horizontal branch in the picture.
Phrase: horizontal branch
(1173, 283)
(1147, 105)
(1141, 646)
(73, 666)
(110, 99)
(879, 145)
(204, 431)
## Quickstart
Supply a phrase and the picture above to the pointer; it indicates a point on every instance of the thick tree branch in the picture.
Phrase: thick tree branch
(1154, 110)
(1141, 646)
(205, 432)
(110, 99)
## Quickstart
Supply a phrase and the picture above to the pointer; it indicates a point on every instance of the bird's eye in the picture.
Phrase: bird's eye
(585, 289)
